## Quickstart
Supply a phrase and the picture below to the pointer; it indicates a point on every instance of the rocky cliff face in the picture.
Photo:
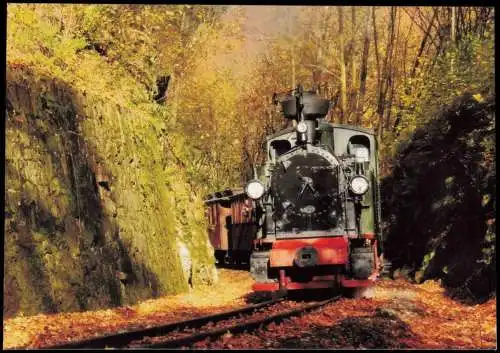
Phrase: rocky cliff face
(440, 200)
(94, 207)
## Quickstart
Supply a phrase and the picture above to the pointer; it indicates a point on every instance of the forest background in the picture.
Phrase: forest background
(120, 118)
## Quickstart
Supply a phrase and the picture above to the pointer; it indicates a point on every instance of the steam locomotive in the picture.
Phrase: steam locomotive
(311, 216)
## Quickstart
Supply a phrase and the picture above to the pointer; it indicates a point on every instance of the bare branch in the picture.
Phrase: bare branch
(322, 68)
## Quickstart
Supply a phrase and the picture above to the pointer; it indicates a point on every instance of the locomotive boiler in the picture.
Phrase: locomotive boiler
(313, 211)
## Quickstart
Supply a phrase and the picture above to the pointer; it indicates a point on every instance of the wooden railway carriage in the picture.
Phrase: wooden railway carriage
(232, 225)
(315, 207)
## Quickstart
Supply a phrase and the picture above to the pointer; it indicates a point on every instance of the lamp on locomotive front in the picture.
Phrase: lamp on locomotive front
(255, 189)
(359, 185)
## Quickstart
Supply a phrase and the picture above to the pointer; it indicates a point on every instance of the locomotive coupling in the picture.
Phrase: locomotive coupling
(306, 257)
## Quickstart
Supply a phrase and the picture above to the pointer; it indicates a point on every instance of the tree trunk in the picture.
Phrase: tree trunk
(406, 51)
(386, 70)
(391, 67)
(453, 34)
(292, 49)
(377, 56)
(363, 70)
(318, 71)
(453, 24)
(353, 47)
(352, 89)
(423, 44)
(343, 78)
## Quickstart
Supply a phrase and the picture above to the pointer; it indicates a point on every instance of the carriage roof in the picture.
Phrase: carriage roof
(224, 195)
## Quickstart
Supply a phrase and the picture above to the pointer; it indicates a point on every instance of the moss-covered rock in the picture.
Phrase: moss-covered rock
(92, 214)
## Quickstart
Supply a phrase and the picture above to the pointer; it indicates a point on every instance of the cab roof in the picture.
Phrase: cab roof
(322, 123)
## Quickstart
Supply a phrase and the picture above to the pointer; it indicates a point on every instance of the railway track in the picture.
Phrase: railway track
(187, 333)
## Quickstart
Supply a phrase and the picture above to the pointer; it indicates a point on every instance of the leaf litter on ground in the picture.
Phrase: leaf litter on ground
(399, 315)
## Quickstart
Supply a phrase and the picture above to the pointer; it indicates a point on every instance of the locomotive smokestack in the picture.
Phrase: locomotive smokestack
(305, 108)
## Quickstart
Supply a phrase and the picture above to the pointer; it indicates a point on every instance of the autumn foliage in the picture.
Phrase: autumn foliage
(120, 119)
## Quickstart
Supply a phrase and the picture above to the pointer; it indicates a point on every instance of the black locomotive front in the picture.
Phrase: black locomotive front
(305, 191)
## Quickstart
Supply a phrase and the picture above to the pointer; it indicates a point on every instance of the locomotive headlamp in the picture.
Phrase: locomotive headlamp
(255, 189)
(301, 127)
(359, 185)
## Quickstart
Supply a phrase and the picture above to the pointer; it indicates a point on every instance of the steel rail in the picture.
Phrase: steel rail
(239, 328)
(122, 339)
